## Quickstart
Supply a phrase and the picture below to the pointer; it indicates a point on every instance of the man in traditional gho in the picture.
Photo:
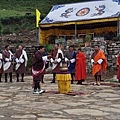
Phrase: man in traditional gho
(38, 68)
(80, 67)
(99, 64)
(1, 66)
(57, 56)
(118, 65)
(70, 57)
(7, 63)
(21, 63)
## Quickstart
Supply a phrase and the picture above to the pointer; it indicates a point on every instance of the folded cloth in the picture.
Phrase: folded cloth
(21, 60)
(100, 61)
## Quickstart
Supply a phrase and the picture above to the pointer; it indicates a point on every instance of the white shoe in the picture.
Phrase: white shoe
(35, 92)
(41, 91)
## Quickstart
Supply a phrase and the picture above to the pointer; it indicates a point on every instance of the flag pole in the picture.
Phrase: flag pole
(37, 39)
(39, 35)
(75, 31)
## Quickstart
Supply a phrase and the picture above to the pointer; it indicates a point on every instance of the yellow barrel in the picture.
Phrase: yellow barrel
(64, 82)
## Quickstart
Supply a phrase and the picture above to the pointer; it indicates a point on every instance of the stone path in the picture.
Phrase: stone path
(17, 102)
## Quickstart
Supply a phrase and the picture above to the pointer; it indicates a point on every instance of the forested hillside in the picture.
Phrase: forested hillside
(21, 7)
(18, 17)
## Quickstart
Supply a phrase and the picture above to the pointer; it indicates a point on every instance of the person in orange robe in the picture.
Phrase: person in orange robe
(80, 67)
(99, 64)
(118, 65)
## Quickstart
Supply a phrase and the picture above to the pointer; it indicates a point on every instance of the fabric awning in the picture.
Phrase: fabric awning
(82, 13)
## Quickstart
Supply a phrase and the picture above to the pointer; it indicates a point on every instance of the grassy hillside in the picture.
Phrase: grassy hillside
(21, 7)
(16, 15)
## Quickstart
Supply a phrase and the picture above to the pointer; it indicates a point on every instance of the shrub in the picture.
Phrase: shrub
(1, 29)
(29, 63)
(7, 30)
(49, 48)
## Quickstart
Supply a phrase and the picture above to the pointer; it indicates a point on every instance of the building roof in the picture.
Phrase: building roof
(83, 11)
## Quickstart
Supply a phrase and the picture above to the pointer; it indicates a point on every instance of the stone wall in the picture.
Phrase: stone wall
(88, 51)
(111, 49)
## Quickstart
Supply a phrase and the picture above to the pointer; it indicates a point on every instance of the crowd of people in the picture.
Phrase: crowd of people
(75, 60)
(8, 60)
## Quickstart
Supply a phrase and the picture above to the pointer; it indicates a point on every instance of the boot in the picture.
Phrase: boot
(10, 77)
(98, 80)
(38, 85)
(22, 80)
(79, 82)
(53, 81)
(71, 81)
(0, 77)
(17, 78)
(35, 88)
(95, 83)
(5, 77)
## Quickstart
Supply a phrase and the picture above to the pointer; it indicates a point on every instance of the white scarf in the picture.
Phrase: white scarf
(21, 57)
(56, 58)
(7, 64)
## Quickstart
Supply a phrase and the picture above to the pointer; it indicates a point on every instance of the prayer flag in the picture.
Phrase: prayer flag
(37, 17)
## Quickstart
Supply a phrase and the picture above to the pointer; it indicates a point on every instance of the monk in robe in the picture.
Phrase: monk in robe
(99, 64)
(38, 68)
(21, 62)
(1, 66)
(118, 65)
(80, 67)
(7, 62)
(57, 56)
(70, 57)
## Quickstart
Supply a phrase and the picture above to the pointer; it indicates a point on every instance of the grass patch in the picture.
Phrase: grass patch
(10, 13)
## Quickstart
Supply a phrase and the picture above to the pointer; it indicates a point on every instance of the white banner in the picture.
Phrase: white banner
(83, 11)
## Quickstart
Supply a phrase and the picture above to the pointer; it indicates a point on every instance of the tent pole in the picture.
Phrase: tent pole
(75, 30)
(118, 32)
(37, 35)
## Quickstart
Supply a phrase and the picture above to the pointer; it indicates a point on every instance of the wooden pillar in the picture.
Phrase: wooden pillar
(118, 25)
(75, 30)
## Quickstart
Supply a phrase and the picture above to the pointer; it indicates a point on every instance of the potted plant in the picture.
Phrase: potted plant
(117, 38)
(87, 40)
(61, 42)
(114, 39)
(49, 48)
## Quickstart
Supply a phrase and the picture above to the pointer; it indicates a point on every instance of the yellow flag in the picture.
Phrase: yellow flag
(37, 17)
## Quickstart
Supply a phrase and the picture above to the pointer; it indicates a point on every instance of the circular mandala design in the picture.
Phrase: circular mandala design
(82, 12)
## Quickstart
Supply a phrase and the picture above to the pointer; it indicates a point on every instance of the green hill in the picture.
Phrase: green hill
(10, 8)
(16, 15)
